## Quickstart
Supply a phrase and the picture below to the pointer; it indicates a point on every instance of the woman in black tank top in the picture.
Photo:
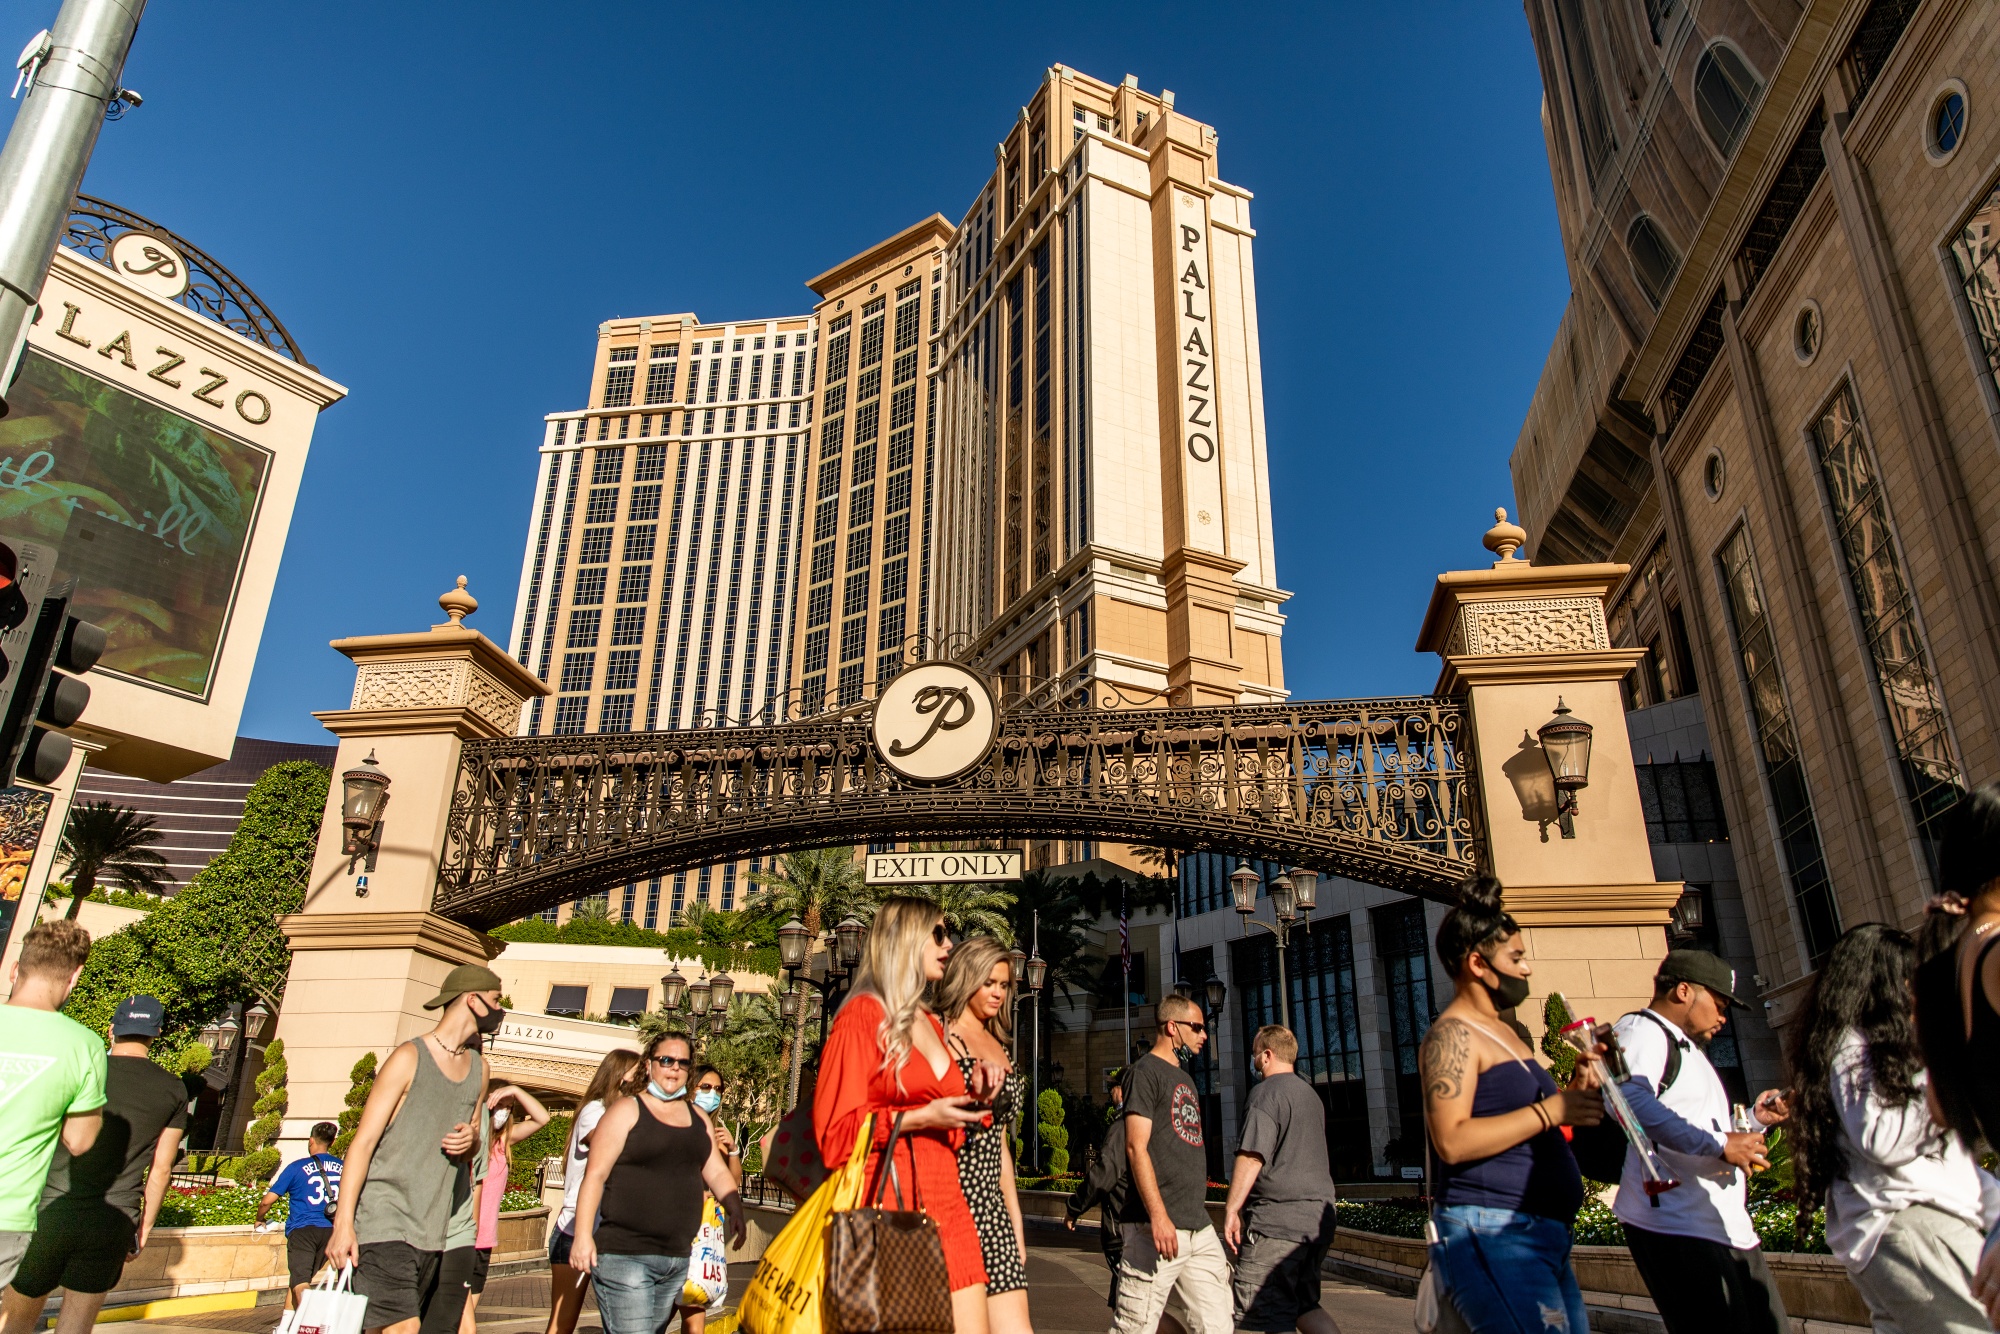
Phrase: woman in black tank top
(1958, 997)
(651, 1158)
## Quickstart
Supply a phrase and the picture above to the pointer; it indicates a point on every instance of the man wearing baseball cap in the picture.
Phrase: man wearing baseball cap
(1695, 1245)
(98, 1207)
(409, 1185)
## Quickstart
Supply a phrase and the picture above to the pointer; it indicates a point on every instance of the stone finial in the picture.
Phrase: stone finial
(458, 604)
(1504, 539)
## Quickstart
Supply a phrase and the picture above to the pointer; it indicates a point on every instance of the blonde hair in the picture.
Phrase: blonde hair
(892, 971)
(966, 972)
(1278, 1040)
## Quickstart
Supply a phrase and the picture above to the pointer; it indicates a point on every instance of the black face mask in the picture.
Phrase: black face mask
(1509, 992)
(489, 1023)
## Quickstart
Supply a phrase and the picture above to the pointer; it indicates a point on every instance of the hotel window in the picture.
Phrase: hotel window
(853, 638)
(577, 669)
(903, 408)
(889, 627)
(621, 669)
(859, 543)
(608, 467)
(832, 436)
(603, 507)
(1903, 672)
(639, 541)
(799, 374)
(572, 712)
(708, 421)
(868, 384)
(887, 667)
(645, 503)
(819, 606)
(909, 317)
(660, 377)
(815, 656)
(627, 1003)
(567, 1001)
(902, 446)
(1976, 253)
(756, 373)
(618, 379)
(895, 573)
(898, 495)
(714, 377)
(836, 359)
(589, 586)
(1725, 90)
(583, 627)
(829, 479)
(624, 427)
(851, 683)
(729, 421)
(906, 368)
(1654, 261)
(871, 336)
(628, 626)
(864, 464)
(822, 563)
(634, 582)
(615, 714)
(826, 520)
(836, 400)
(595, 549)
(646, 424)
(735, 375)
(687, 423)
(1682, 802)
(652, 465)
(1778, 747)
(896, 535)
(860, 505)
(854, 597)
(694, 381)
(867, 419)
(1402, 944)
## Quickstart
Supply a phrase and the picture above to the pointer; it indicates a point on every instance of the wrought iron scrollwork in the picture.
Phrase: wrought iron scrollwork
(213, 291)
(1373, 789)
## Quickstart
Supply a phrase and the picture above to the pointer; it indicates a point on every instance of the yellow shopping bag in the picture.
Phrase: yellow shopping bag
(785, 1294)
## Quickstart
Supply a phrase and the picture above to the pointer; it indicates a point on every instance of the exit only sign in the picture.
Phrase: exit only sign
(942, 868)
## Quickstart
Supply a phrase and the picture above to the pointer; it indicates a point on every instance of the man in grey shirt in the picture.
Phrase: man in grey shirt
(1280, 1216)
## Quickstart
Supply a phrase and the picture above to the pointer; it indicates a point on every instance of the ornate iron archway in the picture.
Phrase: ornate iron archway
(1376, 790)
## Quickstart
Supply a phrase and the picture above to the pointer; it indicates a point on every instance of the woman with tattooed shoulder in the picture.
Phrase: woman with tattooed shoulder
(1507, 1185)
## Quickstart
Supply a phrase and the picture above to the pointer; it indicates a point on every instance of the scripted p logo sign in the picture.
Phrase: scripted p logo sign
(935, 721)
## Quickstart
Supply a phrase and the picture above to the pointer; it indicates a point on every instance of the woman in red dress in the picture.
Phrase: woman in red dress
(886, 1054)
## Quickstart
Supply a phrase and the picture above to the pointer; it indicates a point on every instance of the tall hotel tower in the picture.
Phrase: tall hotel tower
(1035, 439)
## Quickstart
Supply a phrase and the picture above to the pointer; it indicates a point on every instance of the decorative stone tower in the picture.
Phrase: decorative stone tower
(367, 950)
(1518, 640)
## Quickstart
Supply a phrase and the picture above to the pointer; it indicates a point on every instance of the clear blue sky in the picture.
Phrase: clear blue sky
(443, 201)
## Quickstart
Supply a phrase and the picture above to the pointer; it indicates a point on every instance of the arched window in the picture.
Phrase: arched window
(1654, 260)
(1725, 88)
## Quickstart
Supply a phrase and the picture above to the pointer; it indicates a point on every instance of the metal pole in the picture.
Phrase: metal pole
(1284, 989)
(1035, 1106)
(49, 147)
(1125, 953)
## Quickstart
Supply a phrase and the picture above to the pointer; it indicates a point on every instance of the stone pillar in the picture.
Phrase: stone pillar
(367, 950)
(1515, 639)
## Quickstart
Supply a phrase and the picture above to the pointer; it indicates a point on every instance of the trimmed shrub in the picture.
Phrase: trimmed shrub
(260, 1153)
(363, 1077)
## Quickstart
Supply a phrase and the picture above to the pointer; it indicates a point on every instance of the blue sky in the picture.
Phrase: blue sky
(442, 202)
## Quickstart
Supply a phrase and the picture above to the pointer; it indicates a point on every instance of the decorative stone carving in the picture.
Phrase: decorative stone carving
(1535, 625)
(439, 683)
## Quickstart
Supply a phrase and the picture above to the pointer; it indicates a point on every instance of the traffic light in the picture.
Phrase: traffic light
(39, 643)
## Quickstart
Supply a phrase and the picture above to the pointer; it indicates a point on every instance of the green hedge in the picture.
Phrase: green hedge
(227, 1206)
(683, 943)
(1775, 1221)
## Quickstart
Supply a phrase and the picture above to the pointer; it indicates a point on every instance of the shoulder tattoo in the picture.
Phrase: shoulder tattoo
(1444, 1057)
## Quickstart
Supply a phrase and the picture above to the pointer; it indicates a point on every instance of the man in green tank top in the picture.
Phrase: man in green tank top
(415, 1161)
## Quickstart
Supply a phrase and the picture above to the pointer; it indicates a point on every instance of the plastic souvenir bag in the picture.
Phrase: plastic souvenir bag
(708, 1264)
(330, 1306)
(784, 1296)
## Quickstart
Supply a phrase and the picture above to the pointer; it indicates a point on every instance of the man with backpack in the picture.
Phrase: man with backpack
(310, 1186)
(1694, 1245)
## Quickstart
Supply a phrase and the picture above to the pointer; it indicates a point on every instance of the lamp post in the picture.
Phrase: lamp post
(843, 945)
(1037, 970)
(1293, 898)
(229, 1053)
(707, 997)
(1565, 742)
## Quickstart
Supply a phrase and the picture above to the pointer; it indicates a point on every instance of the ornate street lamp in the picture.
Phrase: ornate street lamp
(698, 996)
(849, 935)
(1038, 969)
(720, 988)
(793, 941)
(1305, 888)
(1017, 959)
(364, 793)
(1284, 905)
(788, 1002)
(1565, 742)
(672, 987)
(1243, 884)
(1214, 991)
(256, 1022)
(1184, 989)
(718, 1020)
(1282, 901)
(225, 1034)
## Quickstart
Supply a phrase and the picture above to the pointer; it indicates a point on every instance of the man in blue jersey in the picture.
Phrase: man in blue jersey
(310, 1186)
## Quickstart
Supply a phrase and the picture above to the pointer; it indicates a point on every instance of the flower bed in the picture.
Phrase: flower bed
(1775, 1220)
(224, 1206)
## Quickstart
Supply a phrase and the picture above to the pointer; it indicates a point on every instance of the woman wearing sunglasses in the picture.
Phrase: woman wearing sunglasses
(708, 1265)
(885, 1055)
(640, 1206)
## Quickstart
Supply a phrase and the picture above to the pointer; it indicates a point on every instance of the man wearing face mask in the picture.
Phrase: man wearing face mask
(1695, 1245)
(412, 1172)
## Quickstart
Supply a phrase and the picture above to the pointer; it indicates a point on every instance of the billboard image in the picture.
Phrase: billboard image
(152, 513)
(23, 812)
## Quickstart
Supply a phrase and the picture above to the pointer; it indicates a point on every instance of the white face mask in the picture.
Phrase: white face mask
(707, 1099)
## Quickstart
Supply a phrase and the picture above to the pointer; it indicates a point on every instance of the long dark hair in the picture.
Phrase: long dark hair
(1863, 987)
(1479, 919)
(1968, 861)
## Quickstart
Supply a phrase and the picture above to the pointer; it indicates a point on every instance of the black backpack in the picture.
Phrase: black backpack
(1600, 1149)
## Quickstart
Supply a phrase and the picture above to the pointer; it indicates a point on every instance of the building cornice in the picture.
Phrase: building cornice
(935, 230)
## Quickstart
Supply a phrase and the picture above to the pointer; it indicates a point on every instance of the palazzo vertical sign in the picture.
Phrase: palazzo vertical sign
(1194, 326)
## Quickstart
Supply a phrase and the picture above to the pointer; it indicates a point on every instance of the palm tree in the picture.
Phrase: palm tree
(819, 887)
(969, 910)
(107, 842)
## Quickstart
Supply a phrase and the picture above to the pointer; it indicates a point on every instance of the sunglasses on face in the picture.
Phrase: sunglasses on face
(673, 1062)
(939, 935)
(1192, 1028)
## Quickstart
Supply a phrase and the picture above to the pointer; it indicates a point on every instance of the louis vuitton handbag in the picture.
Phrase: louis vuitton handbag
(885, 1269)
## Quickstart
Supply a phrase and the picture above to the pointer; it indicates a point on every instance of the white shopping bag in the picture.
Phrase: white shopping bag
(708, 1264)
(330, 1306)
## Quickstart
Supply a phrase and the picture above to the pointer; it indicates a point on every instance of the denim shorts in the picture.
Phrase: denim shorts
(1507, 1272)
(637, 1294)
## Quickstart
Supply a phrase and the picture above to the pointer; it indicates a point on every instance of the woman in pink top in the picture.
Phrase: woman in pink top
(510, 1127)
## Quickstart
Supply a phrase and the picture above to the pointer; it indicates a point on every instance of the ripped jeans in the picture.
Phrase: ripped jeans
(1507, 1272)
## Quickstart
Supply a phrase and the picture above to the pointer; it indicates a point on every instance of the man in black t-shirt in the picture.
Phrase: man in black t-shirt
(1168, 1241)
(98, 1207)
